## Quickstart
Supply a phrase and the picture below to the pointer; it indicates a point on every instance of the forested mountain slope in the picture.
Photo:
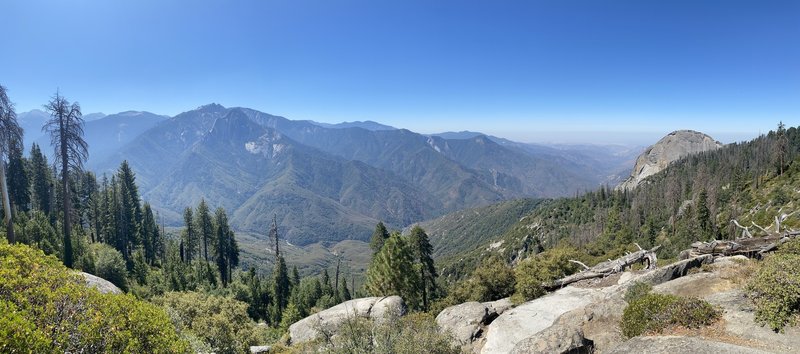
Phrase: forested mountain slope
(695, 198)
(328, 183)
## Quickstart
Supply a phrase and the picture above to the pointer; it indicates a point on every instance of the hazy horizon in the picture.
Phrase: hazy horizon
(624, 72)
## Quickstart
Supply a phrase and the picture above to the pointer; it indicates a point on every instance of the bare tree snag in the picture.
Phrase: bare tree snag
(607, 268)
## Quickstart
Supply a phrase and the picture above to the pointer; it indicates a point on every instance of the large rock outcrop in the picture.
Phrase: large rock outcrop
(327, 322)
(670, 148)
(584, 317)
(466, 322)
(104, 286)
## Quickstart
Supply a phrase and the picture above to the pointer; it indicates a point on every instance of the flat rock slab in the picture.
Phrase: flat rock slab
(532, 317)
(680, 345)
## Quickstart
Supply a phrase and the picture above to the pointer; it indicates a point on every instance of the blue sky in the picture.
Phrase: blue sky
(546, 71)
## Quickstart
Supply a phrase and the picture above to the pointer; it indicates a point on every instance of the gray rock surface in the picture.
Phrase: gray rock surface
(465, 322)
(680, 345)
(530, 318)
(328, 321)
(670, 148)
(258, 349)
(105, 286)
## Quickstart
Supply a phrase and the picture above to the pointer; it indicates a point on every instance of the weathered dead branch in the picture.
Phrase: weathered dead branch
(607, 268)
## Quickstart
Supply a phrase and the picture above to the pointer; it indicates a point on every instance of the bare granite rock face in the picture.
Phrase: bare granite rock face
(680, 345)
(466, 322)
(105, 286)
(670, 148)
(530, 318)
(329, 320)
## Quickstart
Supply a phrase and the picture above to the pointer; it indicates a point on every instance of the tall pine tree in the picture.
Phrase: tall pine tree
(423, 251)
(379, 237)
(392, 272)
(204, 227)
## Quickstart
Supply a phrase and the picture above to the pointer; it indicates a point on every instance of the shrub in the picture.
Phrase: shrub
(109, 265)
(41, 301)
(415, 333)
(791, 247)
(637, 291)
(775, 290)
(652, 313)
(220, 323)
(541, 269)
(492, 280)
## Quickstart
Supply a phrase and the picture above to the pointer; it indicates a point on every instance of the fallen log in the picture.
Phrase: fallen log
(607, 268)
(746, 246)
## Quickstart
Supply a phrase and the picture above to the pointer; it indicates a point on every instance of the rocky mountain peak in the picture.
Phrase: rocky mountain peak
(670, 148)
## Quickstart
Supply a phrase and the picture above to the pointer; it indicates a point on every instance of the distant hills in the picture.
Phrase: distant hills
(329, 182)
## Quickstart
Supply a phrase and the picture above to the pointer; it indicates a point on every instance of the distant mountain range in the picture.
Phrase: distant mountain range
(329, 182)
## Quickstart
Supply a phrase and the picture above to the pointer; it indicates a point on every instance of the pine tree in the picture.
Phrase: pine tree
(423, 251)
(189, 235)
(204, 226)
(327, 289)
(379, 237)
(224, 249)
(703, 215)
(42, 181)
(392, 272)
(280, 277)
(280, 288)
(344, 292)
(152, 241)
(295, 277)
(18, 181)
(130, 211)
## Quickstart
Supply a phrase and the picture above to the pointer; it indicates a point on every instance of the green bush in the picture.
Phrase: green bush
(109, 265)
(637, 291)
(775, 290)
(415, 333)
(220, 323)
(492, 280)
(44, 307)
(791, 247)
(543, 268)
(652, 313)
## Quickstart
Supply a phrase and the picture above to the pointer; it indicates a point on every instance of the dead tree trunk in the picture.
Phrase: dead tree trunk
(607, 268)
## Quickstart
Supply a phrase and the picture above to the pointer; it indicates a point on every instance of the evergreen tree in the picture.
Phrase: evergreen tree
(18, 181)
(423, 254)
(42, 180)
(152, 240)
(295, 280)
(327, 289)
(204, 226)
(290, 316)
(70, 150)
(781, 148)
(392, 272)
(280, 289)
(344, 292)
(130, 212)
(280, 278)
(703, 216)
(224, 246)
(189, 235)
(379, 237)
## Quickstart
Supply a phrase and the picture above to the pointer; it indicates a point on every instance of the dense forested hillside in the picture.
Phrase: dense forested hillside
(695, 198)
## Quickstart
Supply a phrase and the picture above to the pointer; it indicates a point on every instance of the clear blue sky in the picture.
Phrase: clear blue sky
(527, 70)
